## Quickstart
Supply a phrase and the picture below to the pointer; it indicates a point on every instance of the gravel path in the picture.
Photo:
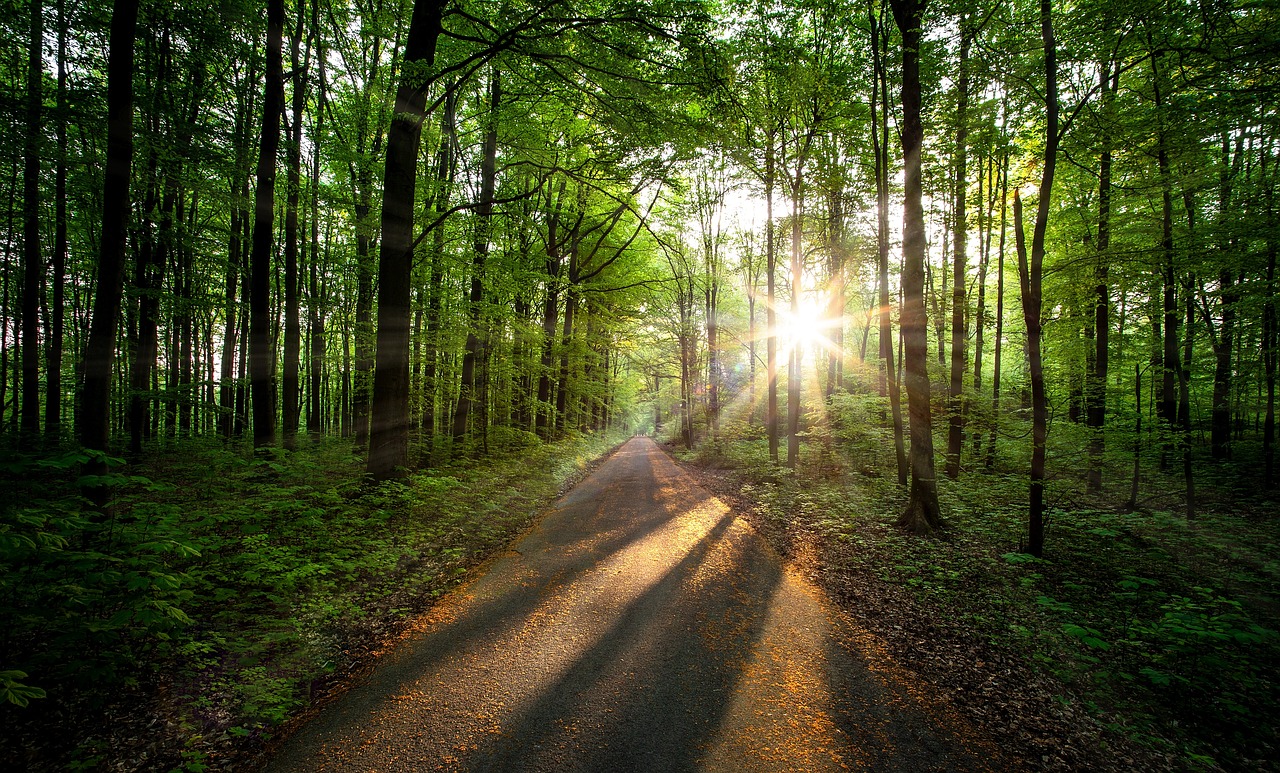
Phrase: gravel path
(639, 626)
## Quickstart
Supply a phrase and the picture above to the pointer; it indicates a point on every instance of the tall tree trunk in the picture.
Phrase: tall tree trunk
(1031, 275)
(318, 295)
(32, 261)
(986, 205)
(1167, 406)
(770, 308)
(880, 147)
(390, 423)
(922, 514)
(1270, 338)
(95, 413)
(959, 326)
(476, 336)
(1220, 437)
(998, 348)
(566, 346)
(226, 374)
(57, 314)
(1132, 503)
(550, 313)
(834, 313)
(1184, 402)
(796, 351)
(435, 294)
(290, 382)
(1096, 377)
(261, 349)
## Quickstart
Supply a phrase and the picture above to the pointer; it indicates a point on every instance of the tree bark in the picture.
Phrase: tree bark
(476, 337)
(290, 382)
(880, 147)
(922, 514)
(1096, 377)
(1270, 339)
(1168, 405)
(100, 351)
(32, 261)
(998, 347)
(317, 295)
(57, 314)
(770, 309)
(1031, 275)
(261, 348)
(796, 351)
(959, 326)
(390, 422)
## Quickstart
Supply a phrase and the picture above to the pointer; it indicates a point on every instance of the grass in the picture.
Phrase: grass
(225, 594)
(1161, 629)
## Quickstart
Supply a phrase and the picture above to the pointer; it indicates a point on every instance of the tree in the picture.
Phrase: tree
(100, 351)
(880, 149)
(1030, 274)
(473, 384)
(390, 423)
(922, 515)
(960, 232)
(261, 348)
(32, 261)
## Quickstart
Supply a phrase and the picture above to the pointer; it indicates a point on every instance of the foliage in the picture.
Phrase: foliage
(1163, 629)
(241, 599)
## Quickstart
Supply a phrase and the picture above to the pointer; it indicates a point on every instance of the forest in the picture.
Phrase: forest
(310, 306)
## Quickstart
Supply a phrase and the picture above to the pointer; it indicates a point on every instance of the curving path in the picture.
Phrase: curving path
(640, 626)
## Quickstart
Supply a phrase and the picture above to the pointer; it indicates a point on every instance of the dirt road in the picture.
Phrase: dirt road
(639, 627)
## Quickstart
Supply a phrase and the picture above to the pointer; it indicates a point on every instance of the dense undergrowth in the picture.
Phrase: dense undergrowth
(223, 594)
(1160, 629)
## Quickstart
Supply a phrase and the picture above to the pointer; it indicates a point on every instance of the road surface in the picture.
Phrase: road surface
(640, 626)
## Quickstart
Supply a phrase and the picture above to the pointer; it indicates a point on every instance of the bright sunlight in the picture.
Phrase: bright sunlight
(809, 326)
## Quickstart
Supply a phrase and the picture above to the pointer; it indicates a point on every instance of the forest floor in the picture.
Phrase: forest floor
(1141, 642)
(284, 580)
(641, 625)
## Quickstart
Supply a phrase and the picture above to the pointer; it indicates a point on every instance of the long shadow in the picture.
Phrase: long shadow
(565, 546)
(554, 554)
(650, 692)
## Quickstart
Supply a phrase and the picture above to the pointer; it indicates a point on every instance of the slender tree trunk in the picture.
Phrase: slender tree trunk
(1270, 338)
(550, 312)
(95, 413)
(998, 348)
(473, 353)
(880, 147)
(1184, 403)
(1031, 275)
(985, 217)
(834, 316)
(435, 293)
(1096, 377)
(261, 350)
(317, 296)
(32, 261)
(1132, 504)
(57, 314)
(566, 344)
(390, 423)
(1220, 438)
(1167, 406)
(922, 514)
(797, 279)
(770, 308)
(959, 326)
(290, 382)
